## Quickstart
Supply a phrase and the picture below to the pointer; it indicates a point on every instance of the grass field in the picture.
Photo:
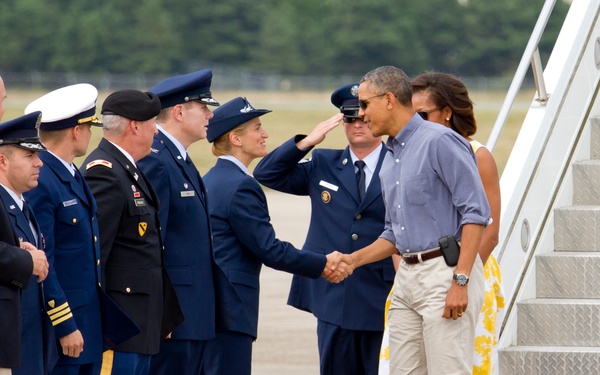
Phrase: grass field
(298, 112)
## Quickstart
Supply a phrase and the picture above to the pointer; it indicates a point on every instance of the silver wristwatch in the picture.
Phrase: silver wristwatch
(461, 280)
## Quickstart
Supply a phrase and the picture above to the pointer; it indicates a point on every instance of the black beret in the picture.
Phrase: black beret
(132, 104)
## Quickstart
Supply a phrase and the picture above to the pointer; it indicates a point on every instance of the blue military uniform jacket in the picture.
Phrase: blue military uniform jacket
(133, 272)
(244, 239)
(66, 213)
(339, 221)
(38, 347)
(16, 266)
(186, 232)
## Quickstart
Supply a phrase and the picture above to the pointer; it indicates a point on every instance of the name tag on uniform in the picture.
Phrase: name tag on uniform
(140, 202)
(188, 193)
(328, 185)
(71, 202)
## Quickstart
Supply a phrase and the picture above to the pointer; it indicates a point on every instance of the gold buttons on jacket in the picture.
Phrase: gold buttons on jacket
(128, 290)
(74, 220)
(95, 239)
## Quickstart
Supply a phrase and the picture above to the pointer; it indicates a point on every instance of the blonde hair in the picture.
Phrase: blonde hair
(222, 145)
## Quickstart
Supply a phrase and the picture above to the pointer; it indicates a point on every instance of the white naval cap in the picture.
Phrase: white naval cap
(67, 107)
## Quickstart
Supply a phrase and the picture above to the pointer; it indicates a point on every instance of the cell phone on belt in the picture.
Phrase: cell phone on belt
(450, 250)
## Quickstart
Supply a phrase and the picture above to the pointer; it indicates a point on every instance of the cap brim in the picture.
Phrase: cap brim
(31, 146)
(209, 101)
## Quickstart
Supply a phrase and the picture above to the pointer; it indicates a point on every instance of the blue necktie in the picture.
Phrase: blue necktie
(361, 178)
(78, 177)
(32, 224)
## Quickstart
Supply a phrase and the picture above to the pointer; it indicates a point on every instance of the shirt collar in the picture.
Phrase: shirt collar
(235, 161)
(177, 144)
(370, 160)
(70, 167)
(405, 134)
(129, 157)
(18, 200)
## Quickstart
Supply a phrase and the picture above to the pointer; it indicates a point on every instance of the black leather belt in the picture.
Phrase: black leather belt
(422, 256)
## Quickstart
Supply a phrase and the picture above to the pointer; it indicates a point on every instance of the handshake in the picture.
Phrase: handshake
(339, 266)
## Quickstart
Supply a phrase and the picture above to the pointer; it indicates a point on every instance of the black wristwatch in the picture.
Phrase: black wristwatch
(461, 280)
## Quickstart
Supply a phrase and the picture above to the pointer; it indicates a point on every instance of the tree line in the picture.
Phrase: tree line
(308, 37)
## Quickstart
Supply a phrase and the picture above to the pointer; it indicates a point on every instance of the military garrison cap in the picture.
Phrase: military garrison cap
(67, 107)
(185, 88)
(22, 132)
(230, 115)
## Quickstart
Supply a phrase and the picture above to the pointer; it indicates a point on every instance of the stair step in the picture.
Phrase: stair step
(567, 322)
(545, 360)
(576, 228)
(568, 275)
(586, 182)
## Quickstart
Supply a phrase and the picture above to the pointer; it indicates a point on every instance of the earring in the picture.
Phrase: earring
(447, 118)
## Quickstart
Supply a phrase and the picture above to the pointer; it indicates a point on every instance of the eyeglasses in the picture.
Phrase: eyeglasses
(364, 103)
(425, 114)
(350, 119)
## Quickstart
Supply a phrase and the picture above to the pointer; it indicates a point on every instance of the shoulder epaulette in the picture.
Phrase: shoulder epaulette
(94, 163)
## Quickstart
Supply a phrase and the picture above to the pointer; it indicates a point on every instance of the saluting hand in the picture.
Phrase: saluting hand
(40, 262)
(319, 132)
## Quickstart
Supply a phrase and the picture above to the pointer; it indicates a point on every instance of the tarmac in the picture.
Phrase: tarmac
(287, 337)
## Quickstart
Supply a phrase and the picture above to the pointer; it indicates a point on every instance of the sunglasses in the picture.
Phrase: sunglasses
(350, 119)
(364, 103)
(425, 114)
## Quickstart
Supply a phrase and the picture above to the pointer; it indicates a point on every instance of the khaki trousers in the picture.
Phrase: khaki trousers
(421, 341)
(5, 371)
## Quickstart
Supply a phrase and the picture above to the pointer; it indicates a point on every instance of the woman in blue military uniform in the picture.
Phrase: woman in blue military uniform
(244, 239)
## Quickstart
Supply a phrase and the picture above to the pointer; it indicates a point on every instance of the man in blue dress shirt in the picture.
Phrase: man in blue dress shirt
(350, 314)
(431, 189)
(184, 218)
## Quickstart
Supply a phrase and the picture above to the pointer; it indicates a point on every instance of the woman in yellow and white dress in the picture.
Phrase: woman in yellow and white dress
(444, 99)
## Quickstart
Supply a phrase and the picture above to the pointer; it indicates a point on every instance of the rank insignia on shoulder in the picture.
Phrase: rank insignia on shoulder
(101, 162)
(154, 150)
(325, 197)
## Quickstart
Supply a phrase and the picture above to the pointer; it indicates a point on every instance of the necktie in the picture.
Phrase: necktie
(27, 212)
(29, 217)
(361, 178)
(195, 174)
(78, 177)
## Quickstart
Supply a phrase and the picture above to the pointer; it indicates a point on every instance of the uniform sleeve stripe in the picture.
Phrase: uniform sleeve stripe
(57, 322)
(58, 308)
(60, 313)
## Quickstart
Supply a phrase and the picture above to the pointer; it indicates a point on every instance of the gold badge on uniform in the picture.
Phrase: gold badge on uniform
(325, 197)
(142, 228)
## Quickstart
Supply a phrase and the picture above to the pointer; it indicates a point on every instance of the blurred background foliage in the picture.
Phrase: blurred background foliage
(309, 37)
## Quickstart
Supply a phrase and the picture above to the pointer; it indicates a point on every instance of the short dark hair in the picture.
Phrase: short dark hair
(447, 90)
(390, 79)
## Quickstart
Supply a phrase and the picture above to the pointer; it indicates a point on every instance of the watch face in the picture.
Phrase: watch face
(461, 279)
